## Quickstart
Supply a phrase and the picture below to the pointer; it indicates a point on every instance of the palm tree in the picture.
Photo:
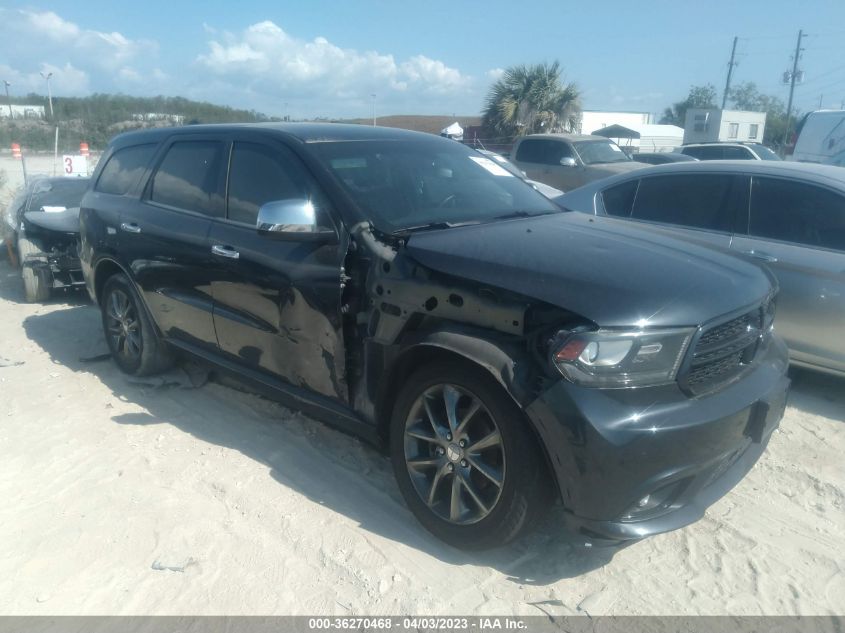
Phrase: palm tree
(531, 99)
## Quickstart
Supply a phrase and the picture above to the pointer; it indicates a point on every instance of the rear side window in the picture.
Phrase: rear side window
(737, 153)
(259, 174)
(697, 201)
(704, 153)
(543, 151)
(189, 177)
(124, 169)
(619, 200)
(797, 212)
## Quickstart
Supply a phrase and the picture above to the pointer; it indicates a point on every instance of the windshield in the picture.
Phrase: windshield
(505, 163)
(598, 152)
(765, 153)
(59, 193)
(406, 184)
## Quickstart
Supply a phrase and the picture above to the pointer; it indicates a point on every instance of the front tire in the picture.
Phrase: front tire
(133, 341)
(465, 460)
(35, 283)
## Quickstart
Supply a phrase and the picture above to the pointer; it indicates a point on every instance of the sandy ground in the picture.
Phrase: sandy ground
(123, 498)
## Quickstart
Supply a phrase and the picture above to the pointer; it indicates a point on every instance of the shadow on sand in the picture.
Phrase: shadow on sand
(302, 454)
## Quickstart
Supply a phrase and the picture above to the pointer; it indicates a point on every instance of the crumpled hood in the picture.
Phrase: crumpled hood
(66, 221)
(609, 271)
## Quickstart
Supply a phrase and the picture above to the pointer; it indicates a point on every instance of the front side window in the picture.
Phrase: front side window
(797, 212)
(124, 169)
(765, 153)
(189, 177)
(259, 174)
(698, 201)
(401, 185)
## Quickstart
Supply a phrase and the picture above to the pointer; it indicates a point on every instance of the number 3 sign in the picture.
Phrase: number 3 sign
(75, 165)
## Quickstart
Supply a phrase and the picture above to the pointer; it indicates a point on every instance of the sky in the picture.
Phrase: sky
(315, 58)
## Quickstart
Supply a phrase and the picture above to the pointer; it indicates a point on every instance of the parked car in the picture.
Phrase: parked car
(42, 223)
(728, 151)
(821, 138)
(789, 215)
(661, 158)
(394, 285)
(504, 163)
(567, 161)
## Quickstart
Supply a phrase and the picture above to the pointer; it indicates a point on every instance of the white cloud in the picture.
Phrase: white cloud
(272, 62)
(34, 38)
(66, 80)
(260, 67)
(495, 74)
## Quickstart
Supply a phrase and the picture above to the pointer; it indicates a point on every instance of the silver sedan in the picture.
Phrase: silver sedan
(788, 216)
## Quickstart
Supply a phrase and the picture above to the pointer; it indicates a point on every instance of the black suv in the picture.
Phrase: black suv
(404, 288)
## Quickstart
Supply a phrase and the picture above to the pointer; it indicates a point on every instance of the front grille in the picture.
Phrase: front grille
(723, 351)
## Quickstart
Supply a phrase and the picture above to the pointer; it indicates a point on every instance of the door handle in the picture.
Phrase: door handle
(761, 255)
(225, 251)
(130, 227)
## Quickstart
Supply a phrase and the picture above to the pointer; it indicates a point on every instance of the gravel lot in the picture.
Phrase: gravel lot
(170, 498)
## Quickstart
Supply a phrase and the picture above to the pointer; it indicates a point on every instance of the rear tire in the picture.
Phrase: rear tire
(132, 339)
(431, 449)
(35, 283)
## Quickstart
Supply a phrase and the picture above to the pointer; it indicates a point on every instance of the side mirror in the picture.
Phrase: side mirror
(568, 161)
(294, 220)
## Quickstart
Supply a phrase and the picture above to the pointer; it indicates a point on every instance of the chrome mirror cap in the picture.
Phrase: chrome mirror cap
(295, 219)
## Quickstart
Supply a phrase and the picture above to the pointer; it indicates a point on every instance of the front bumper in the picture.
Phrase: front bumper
(631, 463)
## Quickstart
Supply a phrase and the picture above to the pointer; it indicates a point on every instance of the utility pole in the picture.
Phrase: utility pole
(821, 100)
(8, 98)
(374, 109)
(792, 79)
(731, 65)
(49, 93)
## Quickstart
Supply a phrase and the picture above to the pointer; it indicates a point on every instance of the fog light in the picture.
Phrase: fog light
(656, 501)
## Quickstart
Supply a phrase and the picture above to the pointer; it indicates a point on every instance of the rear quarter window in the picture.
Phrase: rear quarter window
(619, 200)
(124, 169)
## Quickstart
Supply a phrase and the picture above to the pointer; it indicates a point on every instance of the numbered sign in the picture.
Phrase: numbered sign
(75, 165)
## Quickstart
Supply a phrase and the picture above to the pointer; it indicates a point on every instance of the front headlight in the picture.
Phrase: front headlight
(616, 358)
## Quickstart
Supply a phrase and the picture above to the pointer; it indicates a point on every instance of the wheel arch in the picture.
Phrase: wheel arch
(506, 365)
(104, 269)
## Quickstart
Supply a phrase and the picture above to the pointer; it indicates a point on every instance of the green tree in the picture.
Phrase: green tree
(531, 99)
(698, 97)
(746, 96)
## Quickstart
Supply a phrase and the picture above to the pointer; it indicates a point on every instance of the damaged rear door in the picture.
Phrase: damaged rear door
(277, 302)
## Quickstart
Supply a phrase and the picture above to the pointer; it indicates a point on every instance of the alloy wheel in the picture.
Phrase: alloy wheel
(122, 325)
(454, 454)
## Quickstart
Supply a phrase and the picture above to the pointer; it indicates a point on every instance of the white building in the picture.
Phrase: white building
(178, 119)
(704, 125)
(644, 137)
(22, 111)
(592, 120)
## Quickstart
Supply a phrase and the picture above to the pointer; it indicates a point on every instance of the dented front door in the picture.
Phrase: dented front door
(277, 302)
